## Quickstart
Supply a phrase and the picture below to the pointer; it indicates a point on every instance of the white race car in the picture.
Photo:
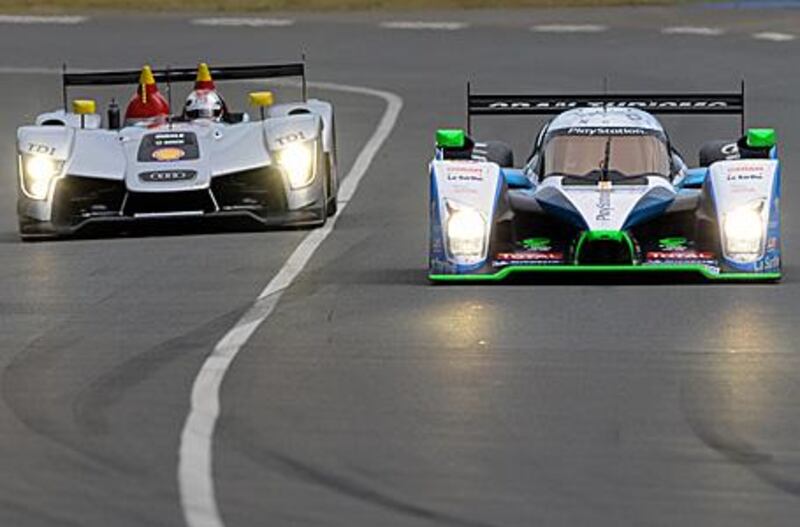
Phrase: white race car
(77, 171)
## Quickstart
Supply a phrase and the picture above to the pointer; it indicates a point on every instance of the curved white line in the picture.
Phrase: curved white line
(195, 457)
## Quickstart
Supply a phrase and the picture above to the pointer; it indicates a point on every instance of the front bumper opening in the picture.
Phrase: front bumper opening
(605, 248)
(166, 203)
(79, 198)
(259, 191)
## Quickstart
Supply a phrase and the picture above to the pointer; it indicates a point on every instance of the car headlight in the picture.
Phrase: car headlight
(744, 232)
(38, 172)
(466, 232)
(298, 160)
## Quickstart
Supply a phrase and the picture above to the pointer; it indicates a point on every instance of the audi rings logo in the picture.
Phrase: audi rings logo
(167, 176)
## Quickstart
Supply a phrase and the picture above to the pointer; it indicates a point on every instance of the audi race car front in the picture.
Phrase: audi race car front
(75, 174)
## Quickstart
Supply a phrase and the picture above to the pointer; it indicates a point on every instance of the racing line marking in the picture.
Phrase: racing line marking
(569, 28)
(774, 37)
(243, 22)
(29, 19)
(195, 456)
(693, 30)
(445, 26)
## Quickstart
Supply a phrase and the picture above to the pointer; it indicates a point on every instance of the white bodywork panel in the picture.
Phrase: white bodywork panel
(739, 183)
(604, 208)
(471, 184)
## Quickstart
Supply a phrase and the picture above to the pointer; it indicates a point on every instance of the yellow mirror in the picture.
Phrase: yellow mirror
(84, 106)
(262, 99)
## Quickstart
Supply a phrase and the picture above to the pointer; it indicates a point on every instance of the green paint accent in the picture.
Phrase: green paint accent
(450, 138)
(761, 138)
(673, 243)
(606, 269)
(536, 243)
(599, 235)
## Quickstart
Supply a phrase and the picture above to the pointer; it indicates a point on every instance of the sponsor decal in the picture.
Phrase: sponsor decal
(536, 244)
(528, 257)
(604, 208)
(643, 104)
(169, 139)
(464, 173)
(168, 154)
(585, 131)
(290, 138)
(772, 262)
(167, 176)
(675, 243)
(168, 146)
(682, 256)
(40, 148)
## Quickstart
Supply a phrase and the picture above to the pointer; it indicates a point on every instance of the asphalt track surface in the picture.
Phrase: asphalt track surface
(369, 397)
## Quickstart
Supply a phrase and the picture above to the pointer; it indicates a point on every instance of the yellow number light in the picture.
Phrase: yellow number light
(261, 100)
(84, 106)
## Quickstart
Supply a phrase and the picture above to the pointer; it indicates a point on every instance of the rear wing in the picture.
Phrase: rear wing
(731, 103)
(223, 73)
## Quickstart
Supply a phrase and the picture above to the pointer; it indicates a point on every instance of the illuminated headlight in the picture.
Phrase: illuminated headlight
(744, 232)
(466, 232)
(37, 173)
(298, 160)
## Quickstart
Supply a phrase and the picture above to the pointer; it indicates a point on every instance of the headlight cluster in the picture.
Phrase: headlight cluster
(743, 229)
(298, 160)
(38, 172)
(466, 232)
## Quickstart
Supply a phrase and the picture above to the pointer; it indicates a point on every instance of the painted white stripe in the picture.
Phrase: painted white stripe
(195, 457)
(570, 28)
(29, 19)
(774, 37)
(408, 24)
(243, 22)
(693, 30)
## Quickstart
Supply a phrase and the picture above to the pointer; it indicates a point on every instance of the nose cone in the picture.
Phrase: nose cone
(147, 102)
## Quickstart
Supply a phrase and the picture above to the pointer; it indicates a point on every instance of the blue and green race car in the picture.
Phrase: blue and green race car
(605, 191)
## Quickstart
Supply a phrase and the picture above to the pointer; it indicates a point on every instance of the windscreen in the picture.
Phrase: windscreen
(629, 154)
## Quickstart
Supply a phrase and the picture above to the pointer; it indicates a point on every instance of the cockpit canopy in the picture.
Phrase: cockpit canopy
(624, 151)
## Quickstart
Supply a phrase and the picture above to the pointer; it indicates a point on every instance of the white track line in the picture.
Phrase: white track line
(693, 30)
(569, 28)
(774, 37)
(410, 24)
(243, 22)
(29, 19)
(195, 457)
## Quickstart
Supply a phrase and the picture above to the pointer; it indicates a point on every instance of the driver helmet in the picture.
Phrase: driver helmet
(204, 104)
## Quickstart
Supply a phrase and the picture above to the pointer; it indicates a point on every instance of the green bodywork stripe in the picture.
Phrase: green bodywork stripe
(666, 268)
